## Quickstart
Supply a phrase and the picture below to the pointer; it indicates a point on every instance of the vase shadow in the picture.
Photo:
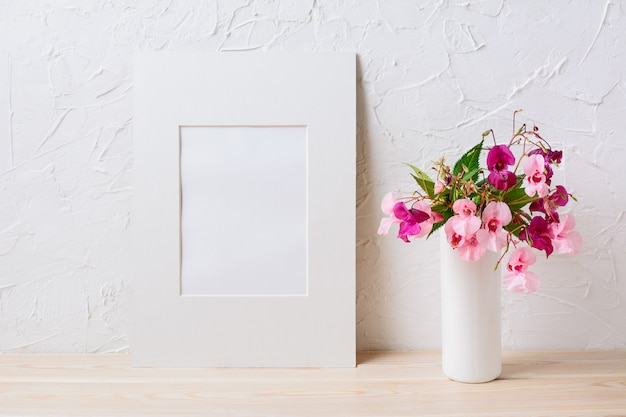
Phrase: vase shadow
(522, 370)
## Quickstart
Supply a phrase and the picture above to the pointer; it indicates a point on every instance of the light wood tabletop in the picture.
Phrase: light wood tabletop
(578, 383)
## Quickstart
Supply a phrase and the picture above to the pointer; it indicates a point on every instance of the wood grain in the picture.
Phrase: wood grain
(590, 383)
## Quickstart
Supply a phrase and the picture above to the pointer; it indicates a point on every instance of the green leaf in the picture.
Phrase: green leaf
(516, 228)
(473, 174)
(482, 182)
(436, 227)
(476, 199)
(469, 163)
(423, 180)
(516, 198)
(446, 213)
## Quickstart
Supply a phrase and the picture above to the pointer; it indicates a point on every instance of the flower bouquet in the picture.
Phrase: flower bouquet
(511, 206)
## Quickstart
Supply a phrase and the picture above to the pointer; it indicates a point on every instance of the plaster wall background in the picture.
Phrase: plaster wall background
(432, 75)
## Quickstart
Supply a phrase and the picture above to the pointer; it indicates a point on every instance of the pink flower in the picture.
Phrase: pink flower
(454, 239)
(564, 238)
(387, 207)
(471, 250)
(550, 157)
(464, 207)
(535, 181)
(433, 218)
(461, 235)
(495, 216)
(461, 230)
(439, 187)
(519, 279)
(458, 228)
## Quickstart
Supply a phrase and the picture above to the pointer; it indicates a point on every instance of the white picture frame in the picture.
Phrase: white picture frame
(310, 327)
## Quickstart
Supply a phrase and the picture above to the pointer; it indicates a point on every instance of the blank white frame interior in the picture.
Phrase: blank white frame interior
(243, 210)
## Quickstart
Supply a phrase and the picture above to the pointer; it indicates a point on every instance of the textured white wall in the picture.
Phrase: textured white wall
(432, 76)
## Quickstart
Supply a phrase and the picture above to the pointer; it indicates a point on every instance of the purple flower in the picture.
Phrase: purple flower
(550, 204)
(409, 220)
(559, 196)
(499, 159)
(551, 157)
(537, 234)
(554, 157)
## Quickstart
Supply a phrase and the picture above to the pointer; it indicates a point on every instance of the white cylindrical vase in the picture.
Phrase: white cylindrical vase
(470, 317)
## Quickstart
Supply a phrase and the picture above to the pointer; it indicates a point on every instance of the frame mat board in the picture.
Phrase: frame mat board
(314, 90)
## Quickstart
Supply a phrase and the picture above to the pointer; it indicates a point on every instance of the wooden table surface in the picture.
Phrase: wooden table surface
(589, 383)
